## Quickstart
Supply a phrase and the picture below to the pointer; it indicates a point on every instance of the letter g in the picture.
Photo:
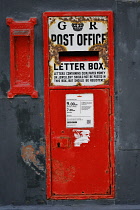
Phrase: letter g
(62, 25)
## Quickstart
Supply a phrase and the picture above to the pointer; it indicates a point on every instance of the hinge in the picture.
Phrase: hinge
(110, 105)
(111, 175)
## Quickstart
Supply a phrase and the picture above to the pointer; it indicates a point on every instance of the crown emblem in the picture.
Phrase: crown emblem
(77, 26)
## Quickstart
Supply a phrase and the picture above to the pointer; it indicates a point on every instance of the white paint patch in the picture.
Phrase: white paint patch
(82, 136)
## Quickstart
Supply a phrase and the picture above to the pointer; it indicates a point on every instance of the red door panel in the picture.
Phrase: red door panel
(83, 170)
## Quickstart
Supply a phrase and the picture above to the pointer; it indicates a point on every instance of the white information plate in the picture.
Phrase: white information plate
(79, 110)
(81, 34)
(85, 73)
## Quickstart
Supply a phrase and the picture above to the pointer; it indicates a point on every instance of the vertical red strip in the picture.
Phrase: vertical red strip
(22, 58)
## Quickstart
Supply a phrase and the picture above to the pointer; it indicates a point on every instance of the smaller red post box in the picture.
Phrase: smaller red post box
(22, 58)
(79, 106)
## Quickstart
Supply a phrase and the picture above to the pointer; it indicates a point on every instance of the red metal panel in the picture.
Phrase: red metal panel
(67, 177)
(75, 168)
(22, 58)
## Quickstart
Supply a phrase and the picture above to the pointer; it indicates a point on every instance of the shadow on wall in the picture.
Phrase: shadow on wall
(32, 144)
(4, 84)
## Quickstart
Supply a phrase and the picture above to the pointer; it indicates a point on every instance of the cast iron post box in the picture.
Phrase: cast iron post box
(22, 58)
(79, 106)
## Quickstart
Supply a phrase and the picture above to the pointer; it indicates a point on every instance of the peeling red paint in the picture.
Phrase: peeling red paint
(62, 172)
(22, 58)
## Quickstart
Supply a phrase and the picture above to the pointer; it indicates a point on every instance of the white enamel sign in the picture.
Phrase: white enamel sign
(78, 34)
(79, 110)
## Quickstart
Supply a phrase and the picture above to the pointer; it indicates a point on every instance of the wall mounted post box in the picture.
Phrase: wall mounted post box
(79, 105)
(22, 58)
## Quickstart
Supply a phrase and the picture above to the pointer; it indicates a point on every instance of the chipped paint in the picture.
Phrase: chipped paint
(52, 20)
(106, 82)
(34, 156)
(54, 58)
(81, 136)
(51, 75)
(54, 51)
(103, 52)
(78, 84)
(84, 19)
(61, 172)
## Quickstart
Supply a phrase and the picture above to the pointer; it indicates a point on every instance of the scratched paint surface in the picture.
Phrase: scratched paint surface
(22, 58)
(78, 34)
(80, 157)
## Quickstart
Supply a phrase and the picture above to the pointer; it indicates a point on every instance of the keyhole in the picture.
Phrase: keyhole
(58, 144)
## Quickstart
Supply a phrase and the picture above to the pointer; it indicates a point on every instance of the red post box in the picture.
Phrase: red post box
(22, 58)
(79, 105)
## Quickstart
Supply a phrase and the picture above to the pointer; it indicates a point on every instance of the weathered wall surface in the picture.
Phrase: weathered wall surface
(127, 49)
(22, 145)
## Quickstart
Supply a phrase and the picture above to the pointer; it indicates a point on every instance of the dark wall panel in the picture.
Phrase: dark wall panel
(22, 146)
(127, 51)
(128, 170)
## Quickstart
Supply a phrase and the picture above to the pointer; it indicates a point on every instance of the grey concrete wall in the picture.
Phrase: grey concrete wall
(22, 179)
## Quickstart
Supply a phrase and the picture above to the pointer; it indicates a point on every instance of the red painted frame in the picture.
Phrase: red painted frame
(23, 29)
(47, 89)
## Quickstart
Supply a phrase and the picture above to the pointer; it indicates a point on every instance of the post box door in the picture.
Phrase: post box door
(80, 156)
